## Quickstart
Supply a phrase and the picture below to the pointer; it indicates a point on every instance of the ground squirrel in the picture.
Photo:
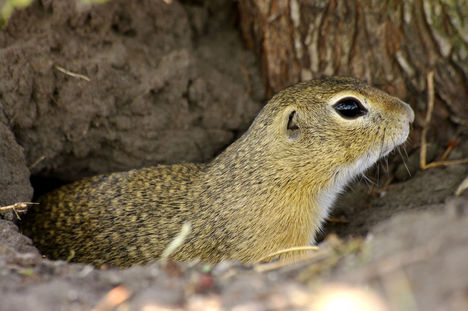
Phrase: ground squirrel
(269, 190)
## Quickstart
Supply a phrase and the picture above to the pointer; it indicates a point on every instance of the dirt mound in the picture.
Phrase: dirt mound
(91, 89)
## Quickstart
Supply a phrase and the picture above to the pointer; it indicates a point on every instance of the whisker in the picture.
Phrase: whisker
(377, 182)
(382, 145)
(380, 156)
(367, 180)
(403, 159)
(383, 168)
(406, 153)
(386, 166)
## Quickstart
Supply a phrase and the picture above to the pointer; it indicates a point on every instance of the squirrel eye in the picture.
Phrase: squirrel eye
(350, 108)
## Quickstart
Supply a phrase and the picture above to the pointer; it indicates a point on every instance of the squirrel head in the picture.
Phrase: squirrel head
(337, 126)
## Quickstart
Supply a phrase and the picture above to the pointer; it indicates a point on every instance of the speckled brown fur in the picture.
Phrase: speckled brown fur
(269, 190)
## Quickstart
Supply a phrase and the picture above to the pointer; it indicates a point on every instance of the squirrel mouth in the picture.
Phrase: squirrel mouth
(388, 144)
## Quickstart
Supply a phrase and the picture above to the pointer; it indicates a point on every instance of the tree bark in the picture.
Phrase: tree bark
(392, 44)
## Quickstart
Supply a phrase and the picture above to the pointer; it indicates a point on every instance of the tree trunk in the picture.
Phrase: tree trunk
(392, 44)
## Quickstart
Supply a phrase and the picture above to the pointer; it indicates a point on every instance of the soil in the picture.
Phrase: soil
(153, 94)
(171, 83)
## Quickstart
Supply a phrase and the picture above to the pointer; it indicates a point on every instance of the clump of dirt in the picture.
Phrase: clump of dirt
(14, 174)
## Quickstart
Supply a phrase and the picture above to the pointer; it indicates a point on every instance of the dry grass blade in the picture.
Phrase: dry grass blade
(41, 158)
(288, 250)
(319, 255)
(320, 260)
(462, 187)
(72, 74)
(177, 241)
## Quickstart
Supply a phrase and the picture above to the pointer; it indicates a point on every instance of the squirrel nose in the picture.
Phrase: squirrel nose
(410, 112)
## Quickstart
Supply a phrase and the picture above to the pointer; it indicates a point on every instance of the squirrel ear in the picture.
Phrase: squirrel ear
(293, 131)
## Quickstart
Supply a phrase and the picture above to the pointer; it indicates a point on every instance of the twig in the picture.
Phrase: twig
(337, 220)
(19, 207)
(430, 108)
(452, 144)
(445, 163)
(423, 154)
(75, 75)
